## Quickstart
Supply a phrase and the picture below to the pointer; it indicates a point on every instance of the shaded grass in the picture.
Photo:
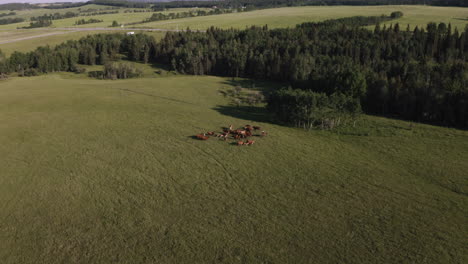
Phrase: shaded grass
(106, 171)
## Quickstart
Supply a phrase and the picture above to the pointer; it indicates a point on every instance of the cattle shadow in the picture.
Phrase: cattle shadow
(252, 113)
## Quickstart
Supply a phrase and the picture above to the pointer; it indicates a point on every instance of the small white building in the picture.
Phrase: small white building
(130, 33)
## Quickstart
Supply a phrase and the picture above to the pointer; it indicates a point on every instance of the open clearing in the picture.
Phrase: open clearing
(107, 172)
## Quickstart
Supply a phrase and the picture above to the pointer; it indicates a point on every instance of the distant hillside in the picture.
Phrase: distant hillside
(259, 3)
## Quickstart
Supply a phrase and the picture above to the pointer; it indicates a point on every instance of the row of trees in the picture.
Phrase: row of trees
(11, 20)
(419, 74)
(40, 23)
(55, 16)
(71, 14)
(162, 16)
(274, 3)
(18, 6)
(89, 21)
(7, 14)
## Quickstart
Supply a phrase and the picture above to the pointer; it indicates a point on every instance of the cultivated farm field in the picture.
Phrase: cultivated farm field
(98, 171)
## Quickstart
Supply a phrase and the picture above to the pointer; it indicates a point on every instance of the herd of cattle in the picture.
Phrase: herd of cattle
(236, 134)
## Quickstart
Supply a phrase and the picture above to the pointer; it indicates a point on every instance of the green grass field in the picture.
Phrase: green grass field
(121, 17)
(291, 16)
(51, 40)
(97, 171)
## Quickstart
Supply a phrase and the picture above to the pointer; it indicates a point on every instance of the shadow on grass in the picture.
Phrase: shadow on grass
(256, 85)
(160, 66)
(253, 113)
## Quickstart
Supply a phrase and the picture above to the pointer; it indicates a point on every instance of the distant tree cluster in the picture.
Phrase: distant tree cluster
(55, 16)
(95, 49)
(40, 23)
(161, 16)
(98, 13)
(257, 4)
(7, 14)
(89, 21)
(72, 14)
(18, 6)
(65, 5)
(123, 3)
(5, 21)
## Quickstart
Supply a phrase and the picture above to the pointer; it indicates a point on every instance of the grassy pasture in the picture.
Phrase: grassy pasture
(291, 16)
(51, 40)
(121, 17)
(106, 172)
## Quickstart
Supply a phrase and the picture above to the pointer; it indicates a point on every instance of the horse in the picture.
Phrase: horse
(202, 137)
(249, 142)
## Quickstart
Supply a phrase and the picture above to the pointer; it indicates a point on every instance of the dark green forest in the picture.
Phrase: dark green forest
(335, 67)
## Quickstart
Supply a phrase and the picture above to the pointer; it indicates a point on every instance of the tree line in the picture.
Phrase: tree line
(89, 21)
(419, 74)
(70, 15)
(10, 20)
(7, 14)
(195, 13)
(275, 3)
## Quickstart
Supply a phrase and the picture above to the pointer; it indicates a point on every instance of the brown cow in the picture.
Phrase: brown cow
(264, 133)
(256, 128)
(210, 133)
(240, 143)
